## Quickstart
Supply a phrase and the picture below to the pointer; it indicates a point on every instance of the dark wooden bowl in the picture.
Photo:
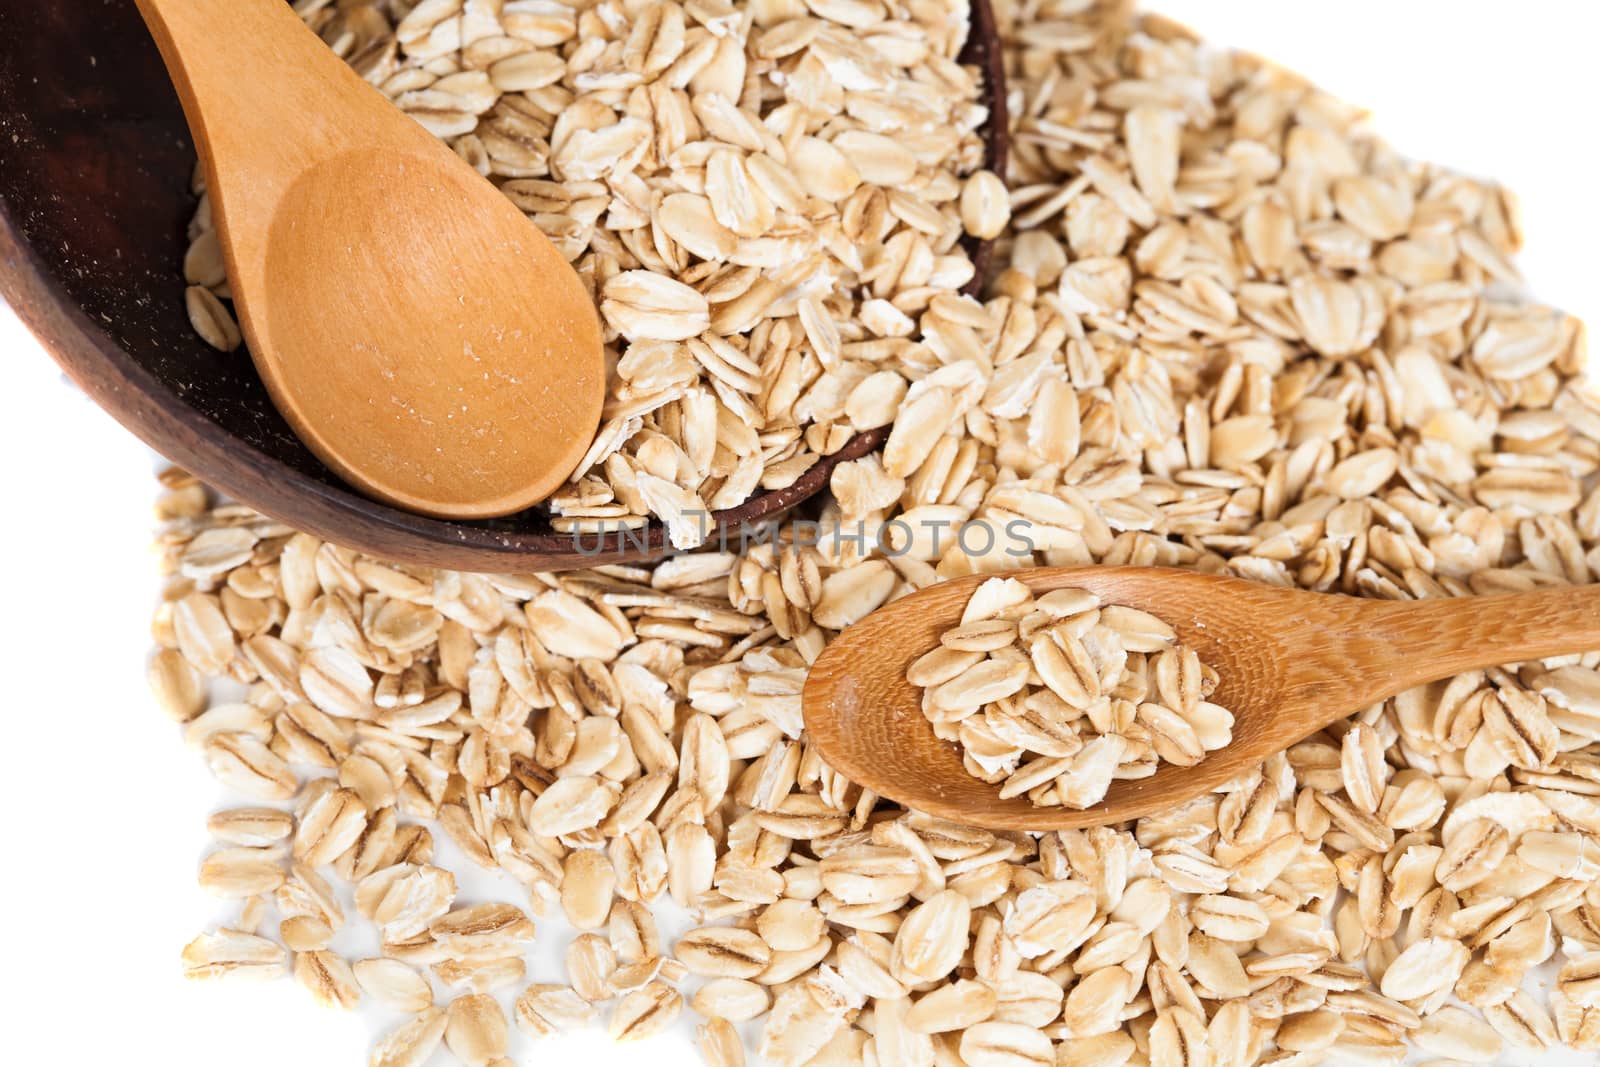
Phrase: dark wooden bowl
(95, 160)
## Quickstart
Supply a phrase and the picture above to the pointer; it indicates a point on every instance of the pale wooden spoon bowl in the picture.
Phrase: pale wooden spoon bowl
(1290, 663)
(422, 337)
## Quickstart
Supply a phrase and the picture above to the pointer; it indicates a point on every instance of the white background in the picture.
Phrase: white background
(106, 806)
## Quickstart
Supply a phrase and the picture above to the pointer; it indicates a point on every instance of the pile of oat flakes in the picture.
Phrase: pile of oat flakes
(1055, 697)
(1234, 333)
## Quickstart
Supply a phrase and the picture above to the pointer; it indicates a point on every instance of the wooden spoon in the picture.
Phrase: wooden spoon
(416, 330)
(1290, 662)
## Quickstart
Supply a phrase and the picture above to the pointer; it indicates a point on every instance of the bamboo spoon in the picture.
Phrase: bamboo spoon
(419, 333)
(1290, 663)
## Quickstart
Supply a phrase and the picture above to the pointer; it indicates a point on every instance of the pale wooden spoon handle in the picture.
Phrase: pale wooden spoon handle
(222, 56)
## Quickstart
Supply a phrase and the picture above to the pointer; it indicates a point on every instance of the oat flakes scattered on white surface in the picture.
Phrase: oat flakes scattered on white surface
(1285, 354)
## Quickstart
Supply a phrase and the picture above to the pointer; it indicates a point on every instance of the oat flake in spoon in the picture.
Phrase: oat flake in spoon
(1056, 696)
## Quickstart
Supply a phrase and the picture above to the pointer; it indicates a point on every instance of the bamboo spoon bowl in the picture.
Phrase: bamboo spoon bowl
(420, 334)
(1290, 663)
(94, 200)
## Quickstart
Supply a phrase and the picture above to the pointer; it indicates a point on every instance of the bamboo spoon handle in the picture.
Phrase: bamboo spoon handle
(1394, 645)
(228, 60)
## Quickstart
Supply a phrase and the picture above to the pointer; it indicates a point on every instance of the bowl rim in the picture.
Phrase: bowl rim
(136, 399)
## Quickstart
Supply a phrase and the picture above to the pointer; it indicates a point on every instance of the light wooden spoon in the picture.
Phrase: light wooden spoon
(417, 331)
(1290, 662)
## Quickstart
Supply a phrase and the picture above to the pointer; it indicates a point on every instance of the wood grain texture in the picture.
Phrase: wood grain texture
(419, 333)
(94, 201)
(1290, 663)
